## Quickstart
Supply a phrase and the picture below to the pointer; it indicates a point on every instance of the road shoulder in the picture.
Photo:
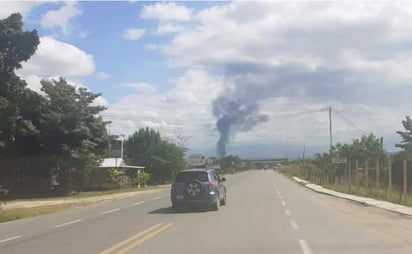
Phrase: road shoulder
(404, 210)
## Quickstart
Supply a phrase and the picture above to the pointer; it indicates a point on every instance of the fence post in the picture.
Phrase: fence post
(367, 174)
(349, 176)
(377, 174)
(356, 172)
(405, 178)
(390, 175)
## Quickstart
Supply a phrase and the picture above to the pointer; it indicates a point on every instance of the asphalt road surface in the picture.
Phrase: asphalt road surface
(265, 213)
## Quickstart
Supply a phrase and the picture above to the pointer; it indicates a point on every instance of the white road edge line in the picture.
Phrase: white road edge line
(294, 225)
(110, 211)
(283, 203)
(305, 246)
(67, 223)
(280, 197)
(287, 212)
(138, 203)
(11, 238)
(158, 197)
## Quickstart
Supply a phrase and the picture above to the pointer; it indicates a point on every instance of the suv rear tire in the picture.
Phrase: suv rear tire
(193, 189)
(223, 201)
(215, 205)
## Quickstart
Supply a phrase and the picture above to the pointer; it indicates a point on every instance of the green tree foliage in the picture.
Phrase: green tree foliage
(74, 134)
(162, 159)
(17, 116)
(60, 134)
(366, 148)
(406, 136)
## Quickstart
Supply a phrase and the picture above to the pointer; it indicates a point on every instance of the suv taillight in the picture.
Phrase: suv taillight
(211, 186)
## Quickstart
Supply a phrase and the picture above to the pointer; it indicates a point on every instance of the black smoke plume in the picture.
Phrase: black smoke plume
(233, 115)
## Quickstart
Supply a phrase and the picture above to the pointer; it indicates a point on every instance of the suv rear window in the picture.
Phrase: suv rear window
(186, 177)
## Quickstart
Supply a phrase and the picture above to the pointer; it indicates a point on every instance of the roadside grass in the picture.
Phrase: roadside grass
(20, 213)
(393, 195)
(87, 194)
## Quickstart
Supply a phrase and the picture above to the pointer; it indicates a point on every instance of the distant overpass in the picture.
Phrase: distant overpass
(261, 162)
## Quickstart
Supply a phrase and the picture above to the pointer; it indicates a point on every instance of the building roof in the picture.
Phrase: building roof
(196, 170)
(116, 163)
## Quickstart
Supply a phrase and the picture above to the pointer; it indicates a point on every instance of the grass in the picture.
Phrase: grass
(380, 194)
(20, 213)
(88, 194)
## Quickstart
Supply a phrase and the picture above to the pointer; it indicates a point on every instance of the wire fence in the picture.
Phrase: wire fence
(385, 179)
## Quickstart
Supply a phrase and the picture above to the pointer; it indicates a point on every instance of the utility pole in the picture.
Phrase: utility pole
(330, 126)
(303, 154)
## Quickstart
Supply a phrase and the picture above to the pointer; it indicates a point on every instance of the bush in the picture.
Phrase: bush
(143, 178)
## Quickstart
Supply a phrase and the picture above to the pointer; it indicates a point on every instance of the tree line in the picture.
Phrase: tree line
(367, 149)
(53, 140)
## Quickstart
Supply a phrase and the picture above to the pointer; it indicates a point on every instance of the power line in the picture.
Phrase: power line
(349, 121)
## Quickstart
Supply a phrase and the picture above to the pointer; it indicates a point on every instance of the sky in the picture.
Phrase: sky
(269, 70)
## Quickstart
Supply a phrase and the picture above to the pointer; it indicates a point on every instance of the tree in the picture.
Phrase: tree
(20, 108)
(16, 115)
(366, 148)
(406, 136)
(162, 159)
(181, 139)
(74, 135)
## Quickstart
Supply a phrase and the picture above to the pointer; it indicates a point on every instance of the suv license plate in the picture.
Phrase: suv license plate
(179, 197)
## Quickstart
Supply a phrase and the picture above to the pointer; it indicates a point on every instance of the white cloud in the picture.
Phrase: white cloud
(166, 12)
(142, 87)
(102, 75)
(22, 7)
(186, 107)
(169, 28)
(62, 17)
(34, 83)
(56, 58)
(302, 55)
(134, 34)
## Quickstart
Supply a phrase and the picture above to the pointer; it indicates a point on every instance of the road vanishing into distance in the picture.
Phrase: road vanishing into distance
(265, 213)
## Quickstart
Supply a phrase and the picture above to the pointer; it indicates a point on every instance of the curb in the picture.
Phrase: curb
(400, 209)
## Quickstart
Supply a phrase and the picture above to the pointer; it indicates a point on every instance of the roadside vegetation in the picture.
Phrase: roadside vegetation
(363, 168)
(52, 142)
(21, 213)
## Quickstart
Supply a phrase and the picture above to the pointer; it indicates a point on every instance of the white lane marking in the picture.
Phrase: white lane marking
(280, 196)
(138, 203)
(287, 212)
(67, 223)
(283, 203)
(156, 198)
(294, 225)
(305, 246)
(110, 211)
(11, 238)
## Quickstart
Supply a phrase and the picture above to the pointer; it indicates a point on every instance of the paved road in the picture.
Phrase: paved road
(266, 213)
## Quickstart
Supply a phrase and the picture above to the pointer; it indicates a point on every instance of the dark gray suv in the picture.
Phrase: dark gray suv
(198, 187)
